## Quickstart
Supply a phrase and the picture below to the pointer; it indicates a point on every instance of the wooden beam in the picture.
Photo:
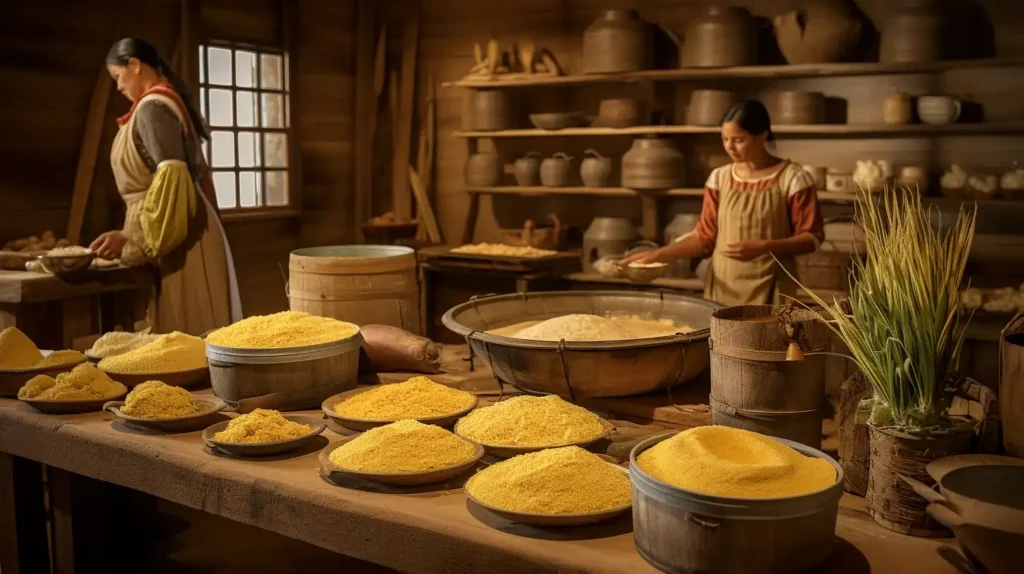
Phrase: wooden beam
(91, 136)
(401, 199)
(365, 110)
(423, 207)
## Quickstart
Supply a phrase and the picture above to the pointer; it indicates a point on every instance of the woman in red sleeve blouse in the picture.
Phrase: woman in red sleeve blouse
(755, 208)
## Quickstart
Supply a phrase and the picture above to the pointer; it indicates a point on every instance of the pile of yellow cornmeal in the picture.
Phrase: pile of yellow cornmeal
(282, 330)
(158, 400)
(18, 353)
(83, 383)
(416, 398)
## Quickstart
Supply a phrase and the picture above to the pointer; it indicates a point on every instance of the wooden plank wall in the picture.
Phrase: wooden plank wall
(52, 51)
(449, 28)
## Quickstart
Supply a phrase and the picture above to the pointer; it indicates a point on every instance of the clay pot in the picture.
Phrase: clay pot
(913, 177)
(938, 109)
(555, 170)
(794, 107)
(607, 237)
(618, 41)
(914, 31)
(897, 108)
(619, 113)
(527, 168)
(839, 181)
(483, 170)
(492, 110)
(595, 169)
(652, 163)
(708, 107)
(818, 175)
(723, 36)
(818, 33)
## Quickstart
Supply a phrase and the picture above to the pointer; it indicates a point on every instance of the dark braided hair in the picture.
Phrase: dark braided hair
(127, 48)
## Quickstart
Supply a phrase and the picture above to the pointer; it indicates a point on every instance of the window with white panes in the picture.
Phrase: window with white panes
(244, 98)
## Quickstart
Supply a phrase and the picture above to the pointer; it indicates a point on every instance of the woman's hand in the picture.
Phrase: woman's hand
(746, 250)
(109, 244)
(651, 256)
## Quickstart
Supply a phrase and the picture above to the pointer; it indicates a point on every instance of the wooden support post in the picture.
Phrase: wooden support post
(63, 538)
(23, 539)
(649, 227)
(401, 198)
(366, 109)
(91, 136)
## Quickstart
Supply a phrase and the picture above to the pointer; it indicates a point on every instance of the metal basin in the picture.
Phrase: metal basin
(587, 369)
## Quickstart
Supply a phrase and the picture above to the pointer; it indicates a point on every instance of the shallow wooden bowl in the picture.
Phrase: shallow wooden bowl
(557, 120)
(510, 451)
(70, 407)
(399, 478)
(175, 379)
(12, 380)
(556, 519)
(208, 408)
(264, 448)
(644, 274)
(446, 421)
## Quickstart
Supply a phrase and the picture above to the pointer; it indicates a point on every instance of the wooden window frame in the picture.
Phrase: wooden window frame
(291, 208)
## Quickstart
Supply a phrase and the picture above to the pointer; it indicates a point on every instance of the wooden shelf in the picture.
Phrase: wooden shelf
(817, 130)
(742, 72)
(827, 196)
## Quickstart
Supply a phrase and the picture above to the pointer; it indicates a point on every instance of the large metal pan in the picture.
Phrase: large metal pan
(587, 369)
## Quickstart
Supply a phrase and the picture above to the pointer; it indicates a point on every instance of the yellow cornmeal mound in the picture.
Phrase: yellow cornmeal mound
(403, 446)
(84, 382)
(417, 398)
(168, 354)
(261, 425)
(58, 358)
(119, 342)
(17, 351)
(566, 480)
(284, 329)
(737, 463)
(530, 421)
(158, 400)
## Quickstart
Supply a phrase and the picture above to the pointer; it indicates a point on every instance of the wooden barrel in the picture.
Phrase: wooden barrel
(754, 386)
(1011, 385)
(361, 284)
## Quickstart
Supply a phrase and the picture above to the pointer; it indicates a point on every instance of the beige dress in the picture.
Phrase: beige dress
(759, 209)
(195, 290)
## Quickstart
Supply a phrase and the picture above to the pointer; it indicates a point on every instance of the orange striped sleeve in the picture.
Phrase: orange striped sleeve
(804, 208)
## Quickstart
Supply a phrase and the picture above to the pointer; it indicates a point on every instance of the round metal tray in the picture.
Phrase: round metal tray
(587, 369)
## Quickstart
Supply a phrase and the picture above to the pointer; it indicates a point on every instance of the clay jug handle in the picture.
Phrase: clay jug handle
(527, 234)
(557, 222)
(956, 104)
(593, 153)
(562, 155)
(922, 490)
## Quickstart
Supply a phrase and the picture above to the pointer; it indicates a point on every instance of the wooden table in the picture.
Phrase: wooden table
(53, 312)
(421, 530)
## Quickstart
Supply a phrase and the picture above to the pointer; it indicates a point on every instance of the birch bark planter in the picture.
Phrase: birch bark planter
(891, 501)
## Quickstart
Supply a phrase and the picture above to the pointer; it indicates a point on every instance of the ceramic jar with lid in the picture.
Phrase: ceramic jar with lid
(938, 109)
(795, 107)
(897, 108)
(722, 36)
(652, 163)
(913, 31)
(595, 169)
(556, 170)
(618, 41)
(607, 237)
(483, 170)
(492, 110)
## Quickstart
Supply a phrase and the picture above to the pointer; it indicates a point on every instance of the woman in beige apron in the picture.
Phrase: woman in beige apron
(158, 166)
(757, 209)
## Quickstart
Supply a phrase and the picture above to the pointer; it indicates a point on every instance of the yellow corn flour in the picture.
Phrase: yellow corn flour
(17, 351)
(284, 329)
(261, 425)
(158, 400)
(59, 358)
(119, 342)
(566, 480)
(530, 421)
(403, 446)
(731, 462)
(168, 354)
(84, 382)
(416, 398)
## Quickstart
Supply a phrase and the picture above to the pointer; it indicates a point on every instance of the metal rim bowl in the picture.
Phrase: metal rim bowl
(587, 369)
(60, 264)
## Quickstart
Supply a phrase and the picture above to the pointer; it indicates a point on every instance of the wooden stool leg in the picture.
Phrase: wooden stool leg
(60, 500)
(23, 540)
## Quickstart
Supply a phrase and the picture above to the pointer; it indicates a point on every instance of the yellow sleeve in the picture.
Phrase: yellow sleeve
(169, 205)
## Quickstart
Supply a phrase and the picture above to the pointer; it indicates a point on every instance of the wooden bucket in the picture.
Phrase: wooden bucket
(361, 284)
(1011, 385)
(754, 386)
(678, 530)
(891, 501)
